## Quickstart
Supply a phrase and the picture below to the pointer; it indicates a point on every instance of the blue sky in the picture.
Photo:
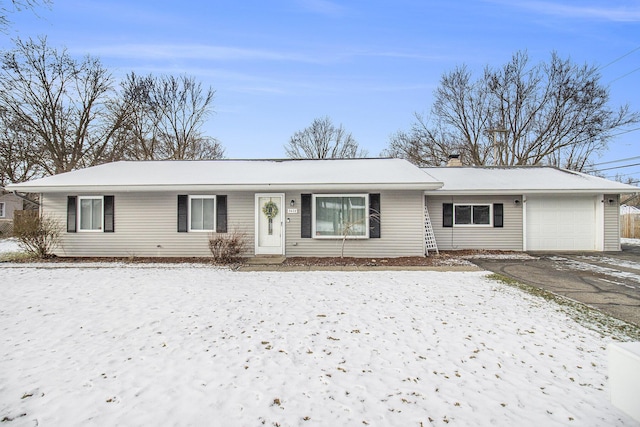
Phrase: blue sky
(369, 65)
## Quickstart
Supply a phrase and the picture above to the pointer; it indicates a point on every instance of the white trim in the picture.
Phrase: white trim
(489, 225)
(599, 220)
(79, 213)
(524, 222)
(257, 212)
(366, 215)
(215, 213)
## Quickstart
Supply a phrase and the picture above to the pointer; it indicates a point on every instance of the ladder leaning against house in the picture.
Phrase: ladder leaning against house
(429, 236)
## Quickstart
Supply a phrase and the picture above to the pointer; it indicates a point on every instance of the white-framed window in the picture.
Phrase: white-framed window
(339, 215)
(202, 213)
(2, 210)
(91, 213)
(468, 215)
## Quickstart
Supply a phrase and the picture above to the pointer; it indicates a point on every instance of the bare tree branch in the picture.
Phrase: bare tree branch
(323, 140)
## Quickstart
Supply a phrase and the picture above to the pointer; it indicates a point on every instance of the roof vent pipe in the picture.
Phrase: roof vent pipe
(454, 160)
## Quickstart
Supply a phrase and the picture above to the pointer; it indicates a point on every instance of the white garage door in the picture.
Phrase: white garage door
(561, 223)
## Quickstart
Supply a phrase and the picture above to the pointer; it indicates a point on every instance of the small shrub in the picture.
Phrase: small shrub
(37, 235)
(227, 247)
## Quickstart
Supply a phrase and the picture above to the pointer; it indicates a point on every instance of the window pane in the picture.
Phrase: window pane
(1, 209)
(356, 224)
(196, 214)
(85, 214)
(481, 215)
(96, 214)
(208, 213)
(337, 216)
(463, 214)
(328, 216)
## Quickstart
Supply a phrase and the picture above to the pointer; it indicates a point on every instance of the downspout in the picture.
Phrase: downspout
(25, 198)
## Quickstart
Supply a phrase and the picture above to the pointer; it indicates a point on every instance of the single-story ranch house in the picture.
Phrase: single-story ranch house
(382, 207)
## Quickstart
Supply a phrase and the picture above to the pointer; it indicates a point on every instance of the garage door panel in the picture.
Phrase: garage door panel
(561, 223)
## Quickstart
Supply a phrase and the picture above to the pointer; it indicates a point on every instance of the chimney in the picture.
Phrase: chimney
(454, 160)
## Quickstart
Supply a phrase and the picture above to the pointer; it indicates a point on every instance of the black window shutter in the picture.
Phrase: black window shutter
(374, 216)
(447, 214)
(221, 214)
(72, 212)
(183, 212)
(305, 206)
(498, 215)
(109, 218)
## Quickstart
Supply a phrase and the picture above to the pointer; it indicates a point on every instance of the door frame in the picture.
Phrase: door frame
(258, 212)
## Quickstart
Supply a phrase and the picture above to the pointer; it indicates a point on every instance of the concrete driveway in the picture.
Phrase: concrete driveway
(607, 281)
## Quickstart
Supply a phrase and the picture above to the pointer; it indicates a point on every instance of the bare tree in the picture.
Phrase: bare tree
(167, 115)
(19, 158)
(553, 113)
(422, 145)
(17, 6)
(66, 106)
(323, 140)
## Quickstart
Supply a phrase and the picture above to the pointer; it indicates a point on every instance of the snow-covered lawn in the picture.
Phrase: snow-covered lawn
(193, 345)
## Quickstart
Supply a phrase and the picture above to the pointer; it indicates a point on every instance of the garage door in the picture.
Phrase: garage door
(561, 223)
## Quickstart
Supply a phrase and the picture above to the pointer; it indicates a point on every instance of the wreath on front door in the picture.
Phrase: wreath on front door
(270, 209)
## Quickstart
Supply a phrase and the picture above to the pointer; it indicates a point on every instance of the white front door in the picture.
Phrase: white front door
(269, 224)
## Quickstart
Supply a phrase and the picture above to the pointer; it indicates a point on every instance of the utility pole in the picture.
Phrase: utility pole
(497, 153)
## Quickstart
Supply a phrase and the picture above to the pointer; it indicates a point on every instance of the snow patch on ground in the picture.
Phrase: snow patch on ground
(178, 345)
(572, 264)
(631, 242)
(9, 245)
(517, 256)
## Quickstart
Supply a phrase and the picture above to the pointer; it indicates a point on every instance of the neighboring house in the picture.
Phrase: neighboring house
(525, 208)
(9, 203)
(291, 207)
(307, 207)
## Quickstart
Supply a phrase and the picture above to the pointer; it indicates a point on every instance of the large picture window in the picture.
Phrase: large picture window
(470, 215)
(202, 213)
(340, 215)
(91, 213)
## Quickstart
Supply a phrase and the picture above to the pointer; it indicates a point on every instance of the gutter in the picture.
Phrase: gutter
(23, 197)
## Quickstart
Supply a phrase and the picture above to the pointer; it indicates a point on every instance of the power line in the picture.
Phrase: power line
(624, 75)
(619, 58)
(616, 167)
(616, 161)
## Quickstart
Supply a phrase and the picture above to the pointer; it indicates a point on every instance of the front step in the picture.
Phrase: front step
(265, 260)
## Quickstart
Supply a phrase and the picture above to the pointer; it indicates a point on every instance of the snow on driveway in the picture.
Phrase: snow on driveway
(193, 345)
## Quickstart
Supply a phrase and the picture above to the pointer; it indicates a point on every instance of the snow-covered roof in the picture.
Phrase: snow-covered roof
(522, 180)
(629, 210)
(251, 175)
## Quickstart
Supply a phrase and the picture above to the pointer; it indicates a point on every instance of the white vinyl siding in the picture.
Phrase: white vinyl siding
(508, 237)
(146, 226)
(90, 212)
